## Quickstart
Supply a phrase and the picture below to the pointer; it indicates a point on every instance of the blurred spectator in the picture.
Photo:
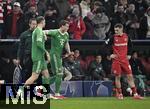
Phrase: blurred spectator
(77, 55)
(107, 66)
(51, 17)
(118, 17)
(85, 7)
(72, 3)
(123, 2)
(132, 23)
(101, 24)
(140, 8)
(41, 7)
(109, 7)
(77, 25)
(8, 6)
(138, 70)
(136, 64)
(89, 27)
(96, 5)
(63, 8)
(144, 31)
(31, 13)
(96, 69)
(14, 22)
(74, 67)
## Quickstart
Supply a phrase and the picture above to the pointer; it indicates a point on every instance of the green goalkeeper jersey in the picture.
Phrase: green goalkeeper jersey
(58, 41)
(38, 45)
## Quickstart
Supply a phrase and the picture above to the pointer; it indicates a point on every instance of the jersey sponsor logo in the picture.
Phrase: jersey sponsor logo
(121, 44)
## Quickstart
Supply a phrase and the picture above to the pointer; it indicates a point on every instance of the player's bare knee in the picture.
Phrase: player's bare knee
(34, 76)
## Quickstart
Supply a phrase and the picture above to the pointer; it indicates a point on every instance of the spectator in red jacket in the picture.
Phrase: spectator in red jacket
(77, 25)
(14, 22)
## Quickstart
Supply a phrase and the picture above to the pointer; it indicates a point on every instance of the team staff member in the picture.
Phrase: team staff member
(24, 50)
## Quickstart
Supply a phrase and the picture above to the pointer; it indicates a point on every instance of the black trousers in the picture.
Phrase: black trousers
(27, 69)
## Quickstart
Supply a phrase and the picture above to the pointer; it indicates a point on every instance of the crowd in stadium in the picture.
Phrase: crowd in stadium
(88, 19)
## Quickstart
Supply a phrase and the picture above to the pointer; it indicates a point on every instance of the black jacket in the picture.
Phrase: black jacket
(137, 66)
(8, 25)
(25, 44)
(143, 28)
(96, 70)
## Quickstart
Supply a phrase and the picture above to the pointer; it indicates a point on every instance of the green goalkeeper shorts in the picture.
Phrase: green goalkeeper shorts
(39, 66)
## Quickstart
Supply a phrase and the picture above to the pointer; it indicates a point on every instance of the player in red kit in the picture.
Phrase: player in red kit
(121, 45)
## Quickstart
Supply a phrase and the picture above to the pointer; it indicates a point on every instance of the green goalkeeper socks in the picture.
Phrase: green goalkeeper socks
(45, 80)
(52, 80)
(58, 83)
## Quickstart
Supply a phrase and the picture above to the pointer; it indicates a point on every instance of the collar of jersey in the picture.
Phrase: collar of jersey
(61, 32)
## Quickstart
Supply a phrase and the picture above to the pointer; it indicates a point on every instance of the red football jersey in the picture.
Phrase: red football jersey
(120, 46)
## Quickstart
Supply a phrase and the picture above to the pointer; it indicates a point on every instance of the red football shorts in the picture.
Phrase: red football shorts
(119, 67)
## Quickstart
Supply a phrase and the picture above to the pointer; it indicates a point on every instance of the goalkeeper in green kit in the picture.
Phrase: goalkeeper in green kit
(59, 40)
(38, 56)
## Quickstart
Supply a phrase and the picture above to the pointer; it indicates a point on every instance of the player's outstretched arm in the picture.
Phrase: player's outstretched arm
(46, 32)
(67, 47)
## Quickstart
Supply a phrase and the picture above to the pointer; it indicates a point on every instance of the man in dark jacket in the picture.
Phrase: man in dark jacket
(138, 70)
(96, 69)
(14, 22)
(24, 51)
(74, 67)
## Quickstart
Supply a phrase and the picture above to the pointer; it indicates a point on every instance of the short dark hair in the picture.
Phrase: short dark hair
(63, 22)
(97, 54)
(100, 10)
(39, 19)
(32, 19)
(118, 25)
(134, 52)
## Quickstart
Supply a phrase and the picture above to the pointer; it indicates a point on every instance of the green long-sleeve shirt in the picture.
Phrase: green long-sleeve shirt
(58, 41)
(38, 45)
